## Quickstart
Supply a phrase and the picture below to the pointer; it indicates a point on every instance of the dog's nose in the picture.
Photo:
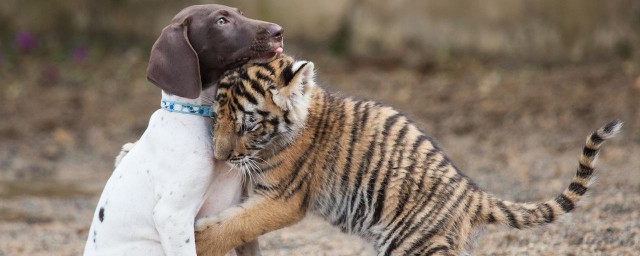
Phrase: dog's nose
(275, 31)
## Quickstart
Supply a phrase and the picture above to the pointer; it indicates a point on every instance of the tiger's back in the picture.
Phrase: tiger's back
(363, 166)
(382, 178)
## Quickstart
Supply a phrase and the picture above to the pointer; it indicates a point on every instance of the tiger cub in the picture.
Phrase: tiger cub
(362, 166)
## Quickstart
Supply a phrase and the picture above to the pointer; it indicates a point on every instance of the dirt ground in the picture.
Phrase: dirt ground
(516, 130)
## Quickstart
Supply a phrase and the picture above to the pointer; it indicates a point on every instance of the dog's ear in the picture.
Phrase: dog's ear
(174, 65)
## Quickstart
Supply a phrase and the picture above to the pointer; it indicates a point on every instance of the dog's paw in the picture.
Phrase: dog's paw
(123, 152)
(206, 223)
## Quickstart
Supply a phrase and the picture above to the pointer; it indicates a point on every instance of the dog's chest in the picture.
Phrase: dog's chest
(174, 152)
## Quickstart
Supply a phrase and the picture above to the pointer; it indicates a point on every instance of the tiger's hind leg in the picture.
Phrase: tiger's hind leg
(436, 245)
(440, 249)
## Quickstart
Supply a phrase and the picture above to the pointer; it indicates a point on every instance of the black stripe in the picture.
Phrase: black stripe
(577, 188)
(526, 216)
(418, 205)
(232, 106)
(443, 163)
(491, 218)
(608, 128)
(268, 166)
(255, 85)
(356, 126)
(292, 190)
(301, 161)
(238, 90)
(549, 217)
(405, 197)
(379, 200)
(262, 112)
(319, 136)
(389, 123)
(441, 221)
(260, 186)
(251, 99)
(379, 203)
(286, 114)
(381, 192)
(273, 121)
(565, 203)
(358, 207)
(433, 250)
(433, 214)
(478, 211)
(596, 138)
(331, 162)
(224, 85)
(242, 73)
(513, 222)
(267, 67)
(453, 236)
(584, 171)
(287, 75)
(589, 152)
(305, 200)
(263, 77)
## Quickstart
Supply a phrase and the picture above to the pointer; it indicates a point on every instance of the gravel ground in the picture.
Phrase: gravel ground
(516, 131)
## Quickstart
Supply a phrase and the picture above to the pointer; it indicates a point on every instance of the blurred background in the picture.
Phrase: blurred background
(510, 88)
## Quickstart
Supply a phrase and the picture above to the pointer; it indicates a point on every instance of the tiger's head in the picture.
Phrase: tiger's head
(261, 106)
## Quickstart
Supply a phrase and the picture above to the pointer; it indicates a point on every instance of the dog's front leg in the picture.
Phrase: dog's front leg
(239, 224)
(175, 229)
(175, 211)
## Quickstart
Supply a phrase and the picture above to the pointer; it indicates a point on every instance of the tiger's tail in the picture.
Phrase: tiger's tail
(526, 215)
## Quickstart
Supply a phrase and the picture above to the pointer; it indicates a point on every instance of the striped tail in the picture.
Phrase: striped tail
(525, 215)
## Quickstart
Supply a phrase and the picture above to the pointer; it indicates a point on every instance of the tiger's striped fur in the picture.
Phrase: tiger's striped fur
(363, 166)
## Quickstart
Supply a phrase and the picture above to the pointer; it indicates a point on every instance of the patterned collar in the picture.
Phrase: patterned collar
(185, 108)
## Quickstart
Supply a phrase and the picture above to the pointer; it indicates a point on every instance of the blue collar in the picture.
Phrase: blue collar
(186, 108)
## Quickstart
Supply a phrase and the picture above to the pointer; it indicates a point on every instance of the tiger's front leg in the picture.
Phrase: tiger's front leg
(237, 225)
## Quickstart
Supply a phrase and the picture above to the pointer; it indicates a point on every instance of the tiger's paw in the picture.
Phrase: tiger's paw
(207, 222)
(210, 240)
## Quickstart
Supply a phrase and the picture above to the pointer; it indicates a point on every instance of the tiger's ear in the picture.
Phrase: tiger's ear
(297, 80)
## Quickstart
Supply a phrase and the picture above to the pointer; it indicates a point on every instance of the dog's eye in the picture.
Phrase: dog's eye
(222, 21)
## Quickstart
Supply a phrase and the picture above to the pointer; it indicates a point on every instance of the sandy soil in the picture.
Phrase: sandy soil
(517, 131)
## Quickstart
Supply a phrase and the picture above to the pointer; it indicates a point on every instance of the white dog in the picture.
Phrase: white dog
(151, 201)
(168, 178)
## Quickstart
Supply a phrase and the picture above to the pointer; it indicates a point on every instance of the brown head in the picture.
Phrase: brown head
(202, 42)
(261, 107)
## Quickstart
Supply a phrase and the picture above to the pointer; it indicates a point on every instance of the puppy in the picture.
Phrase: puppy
(168, 178)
